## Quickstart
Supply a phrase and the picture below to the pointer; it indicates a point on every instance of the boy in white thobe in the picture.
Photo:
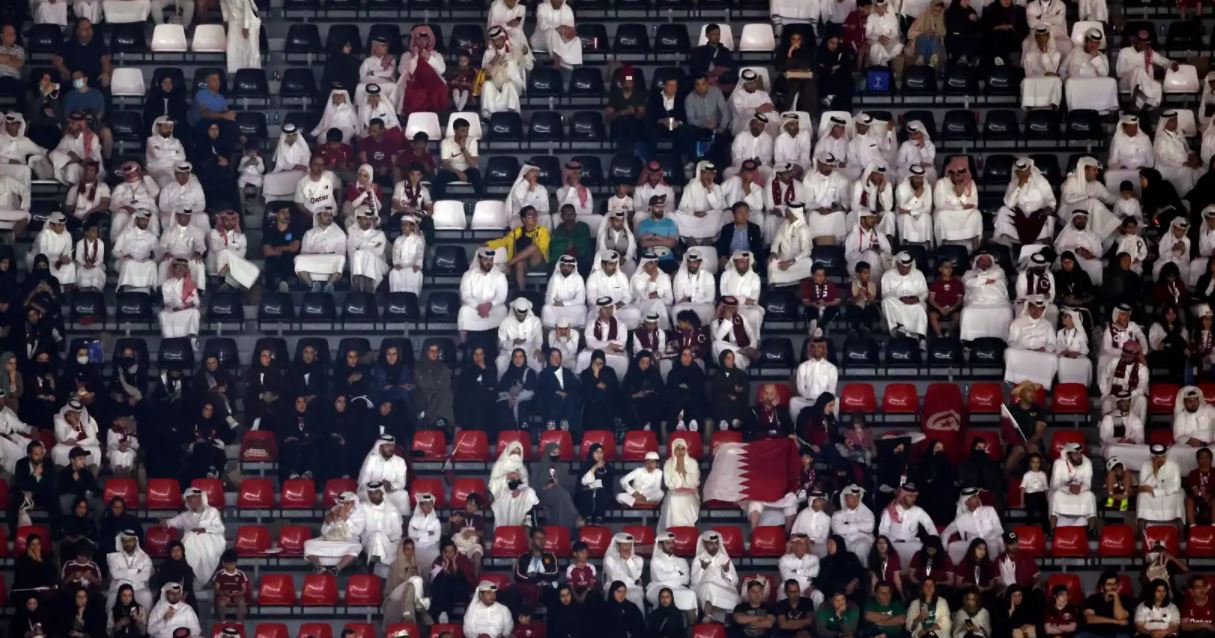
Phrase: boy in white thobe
(408, 255)
(425, 529)
(202, 534)
(642, 487)
(555, 33)
(179, 316)
(90, 259)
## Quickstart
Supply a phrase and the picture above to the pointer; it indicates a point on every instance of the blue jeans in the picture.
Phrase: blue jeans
(927, 46)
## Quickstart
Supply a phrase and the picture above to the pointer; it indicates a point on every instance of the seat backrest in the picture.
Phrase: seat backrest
(127, 81)
(727, 36)
(169, 38)
(449, 215)
(208, 38)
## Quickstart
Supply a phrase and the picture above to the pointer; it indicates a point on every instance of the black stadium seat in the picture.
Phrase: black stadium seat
(442, 306)
(44, 38)
(201, 75)
(340, 34)
(544, 81)
(298, 83)
(361, 345)
(919, 80)
(127, 38)
(277, 347)
(631, 38)
(317, 307)
(860, 351)
(401, 307)
(1184, 35)
(505, 126)
(252, 124)
(276, 307)
(776, 352)
(997, 169)
(133, 307)
(919, 253)
(586, 82)
(390, 32)
(250, 84)
(594, 38)
(1003, 80)
(832, 257)
(1048, 163)
(1001, 124)
(672, 168)
(960, 79)
(88, 306)
(501, 170)
(174, 72)
(127, 126)
(448, 261)
(958, 254)
(987, 351)
(903, 352)
(587, 126)
(360, 307)
(1084, 125)
(467, 37)
(303, 120)
(546, 126)
(944, 353)
(303, 39)
(224, 349)
(224, 306)
(550, 170)
(959, 125)
(176, 352)
(672, 37)
(780, 304)
(625, 168)
(592, 169)
(1042, 125)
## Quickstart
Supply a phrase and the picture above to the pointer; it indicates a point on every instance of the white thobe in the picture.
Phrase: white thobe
(179, 315)
(981, 522)
(817, 528)
(793, 150)
(628, 571)
(700, 211)
(56, 246)
(1122, 437)
(501, 89)
(869, 246)
(814, 377)
(336, 542)
(379, 528)
(134, 252)
(572, 195)
(175, 197)
(856, 526)
(803, 569)
(426, 532)
(163, 155)
(119, 458)
(365, 251)
(1072, 509)
(725, 340)
(1071, 239)
(986, 311)
(244, 51)
(715, 583)
(1173, 250)
(912, 154)
(1030, 355)
(653, 294)
(904, 533)
(641, 198)
(1134, 70)
(548, 39)
(569, 345)
(1172, 152)
(408, 255)
(476, 288)
(204, 548)
(527, 335)
(1130, 153)
(493, 621)
(617, 361)
(953, 221)
(565, 298)
(67, 172)
(743, 104)
(392, 472)
(668, 571)
(1134, 378)
(227, 249)
(1167, 500)
(322, 252)
(1038, 89)
(642, 481)
(831, 192)
(795, 242)
(128, 197)
(616, 286)
(68, 436)
(22, 150)
(524, 194)
(696, 292)
(746, 289)
(16, 435)
(913, 318)
(1034, 195)
(879, 25)
(134, 569)
(872, 147)
(1187, 425)
(90, 264)
(183, 616)
(184, 242)
(915, 225)
(1079, 64)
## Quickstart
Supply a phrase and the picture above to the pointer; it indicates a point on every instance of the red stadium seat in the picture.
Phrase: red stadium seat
(276, 590)
(217, 629)
(1117, 541)
(255, 494)
(1014, 495)
(434, 486)
(360, 629)
(334, 488)
(213, 488)
(156, 540)
(291, 539)
(596, 538)
(643, 538)
(1162, 397)
(731, 539)
(768, 541)
(696, 445)
(258, 446)
(298, 494)
(455, 631)
(3, 540)
(900, 398)
(463, 486)
(1031, 540)
(471, 446)
(1070, 542)
(1161, 436)
(430, 445)
(316, 630)
(270, 630)
(1070, 398)
(510, 541)
(858, 397)
(363, 590)
(590, 438)
(252, 540)
(402, 630)
(1201, 542)
(685, 540)
(783, 392)
(985, 398)
(995, 447)
(3, 594)
(557, 540)
(127, 488)
(1126, 585)
(4, 494)
(319, 590)
(25, 531)
(1164, 534)
(1059, 438)
(522, 437)
(723, 436)
(637, 443)
(163, 494)
(563, 441)
(1074, 589)
(708, 630)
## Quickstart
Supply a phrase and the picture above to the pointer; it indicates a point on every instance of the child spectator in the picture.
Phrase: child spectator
(251, 168)
(581, 574)
(944, 298)
(863, 299)
(232, 588)
(1118, 485)
(1034, 487)
(463, 79)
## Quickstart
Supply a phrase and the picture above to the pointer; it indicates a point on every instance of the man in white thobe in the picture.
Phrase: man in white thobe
(956, 218)
(834, 139)
(322, 255)
(482, 295)
(904, 297)
(792, 145)
(642, 487)
(1084, 190)
(783, 190)
(732, 332)
(56, 243)
(486, 616)
(1041, 59)
(179, 315)
(504, 79)
(789, 260)
(714, 578)
(1030, 355)
(903, 521)
(172, 612)
(607, 280)
(739, 280)
(883, 34)
(1130, 150)
(129, 565)
(813, 523)
(202, 534)
(183, 240)
(1129, 372)
(752, 99)
(15, 435)
(986, 310)
(383, 466)
(565, 296)
(137, 191)
(865, 242)
(378, 525)
(913, 208)
(1174, 158)
(521, 330)
(652, 289)
(800, 565)
(1161, 499)
(694, 288)
(79, 145)
(609, 334)
(974, 520)
(1027, 215)
(1088, 61)
(365, 245)
(425, 529)
(555, 33)
(827, 197)
(164, 151)
(566, 339)
(135, 253)
(854, 521)
(701, 206)
(244, 25)
(1072, 502)
(226, 249)
(18, 149)
(1136, 71)
(1193, 427)
(873, 143)
(183, 192)
(813, 377)
(1122, 434)
(1083, 244)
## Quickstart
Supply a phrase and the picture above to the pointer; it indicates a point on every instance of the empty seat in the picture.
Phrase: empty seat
(463, 487)
(860, 351)
(224, 306)
(250, 84)
(505, 126)
(317, 307)
(448, 260)
(163, 494)
(900, 398)
(303, 38)
(156, 540)
(602, 438)
(1070, 542)
(672, 37)
(544, 81)
(919, 80)
(944, 352)
(360, 307)
(1031, 540)
(509, 541)
(471, 445)
(252, 540)
(298, 494)
(363, 590)
(129, 38)
(624, 169)
(169, 38)
(127, 126)
(959, 125)
(127, 82)
(631, 38)
(780, 304)
(126, 488)
(276, 306)
(768, 541)
(757, 37)
(1001, 124)
(44, 38)
(546, 126)
(586, 82)
(252, 124)
(208, 38)
(831, 258)
(291, 539)
(468, 37)
(401, 307)
(1085, 125)
(587, 126)
(176, 352)
(276, 590)
(255, 493)
(88, 307)
(319, 590)
(903, 351)
(342, 34)
(858, 398)
(776, 352)
(987, 351)
(960, 79)
(1117, 541)
(423, 122)
(637, 443)
(449, 215)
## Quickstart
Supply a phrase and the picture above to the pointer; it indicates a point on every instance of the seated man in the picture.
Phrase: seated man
(1175, 160)
(882, 34)
(974, 520)
(1136, 71)
(957, 219)
(202, 534)
(503, 77)
(322, 257)
(1027, 215)
(867, 243)
(137, 191)
(379, 527)
(526, 246)
(521, 330)
(642, 487)
(739, 280)
(317, 190)
(986, 310)
(607, 333)
(693, 287)
(55, 242)
(789, 261)
(1072, 502)
(731, 332)
(1042, 87)
(565, 296)
(164, 151)
(701, 207)
(904, 522)
(18, 149)
(1128, 372)
(1031, 346)
(179, 316)
(226, 254)
(482, 295)
(365, 246)
(183, 240)
(814, 376)
(134, 254)
(904, 291)
(1160, 499)
(383, 466)
(607, 280)
(79, 145)
(337, 546)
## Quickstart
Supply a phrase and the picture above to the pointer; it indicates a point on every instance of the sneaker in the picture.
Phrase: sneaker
(680, 427)
(736, 424)
(550, 426)
(565, 425)
(1122, 506)
(294, 475)
(693, 426)
(443, 618)
(284, 286)
(328, 288)
(646, 427)
(1109, 502)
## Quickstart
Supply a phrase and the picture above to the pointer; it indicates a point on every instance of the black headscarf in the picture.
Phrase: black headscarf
(838, 569)
(619, 619)
(1161, 203)
(566, 621)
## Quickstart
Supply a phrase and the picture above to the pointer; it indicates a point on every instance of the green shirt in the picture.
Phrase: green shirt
(577, 241)
(895, 608)
(830, 624)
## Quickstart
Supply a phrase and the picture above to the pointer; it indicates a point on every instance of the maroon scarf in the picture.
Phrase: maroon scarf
(1120, 371)
(788, 197)
(611, 333)
(741, 338)
(1204, 342)
(648, 340)
(90, 258)
(412, 195)
(1039, 284)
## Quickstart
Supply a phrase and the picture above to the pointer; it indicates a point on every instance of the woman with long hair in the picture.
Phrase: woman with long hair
(595, 486)
(977, 569)
(1156, 612)
(884, 565)
(128, 619)
(516, 389)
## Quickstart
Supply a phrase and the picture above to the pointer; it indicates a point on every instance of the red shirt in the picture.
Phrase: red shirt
(1200, 482)
(946, 293)
(339, 158)
(826, 291)
(1025, 566)
(408, 157)
(1195, 613)
(379, 154)
(1065, 616)
(234, 584)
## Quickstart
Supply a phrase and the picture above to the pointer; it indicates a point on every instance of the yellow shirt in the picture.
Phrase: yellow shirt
(539, 237)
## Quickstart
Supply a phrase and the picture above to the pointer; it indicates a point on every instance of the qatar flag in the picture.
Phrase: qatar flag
(757, 471)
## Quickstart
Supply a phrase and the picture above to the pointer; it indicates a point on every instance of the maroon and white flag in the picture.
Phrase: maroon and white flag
(757, 471)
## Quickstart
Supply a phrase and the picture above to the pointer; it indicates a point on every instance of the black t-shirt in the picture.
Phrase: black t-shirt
(272, 236)
(762, 611)
(1102, 607)
(803, 611)
(85, 58)
(618, 102)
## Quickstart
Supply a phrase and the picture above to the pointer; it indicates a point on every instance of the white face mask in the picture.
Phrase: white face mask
(82, 359)
(78, 83)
